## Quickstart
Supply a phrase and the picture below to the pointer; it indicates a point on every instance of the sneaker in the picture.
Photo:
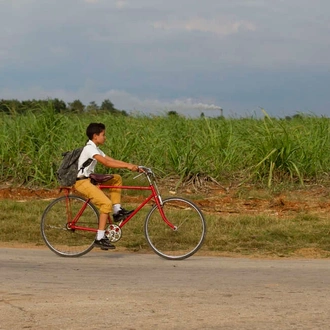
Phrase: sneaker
(122, 214)
(104, 244)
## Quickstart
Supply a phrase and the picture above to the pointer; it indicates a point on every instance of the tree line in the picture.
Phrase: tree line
(19, 107)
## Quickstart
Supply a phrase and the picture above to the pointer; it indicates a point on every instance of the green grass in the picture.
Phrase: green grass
(268, 235)
(242, 234)
(266, 150)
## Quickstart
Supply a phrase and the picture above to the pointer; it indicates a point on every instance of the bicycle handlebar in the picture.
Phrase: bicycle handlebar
(146, 170)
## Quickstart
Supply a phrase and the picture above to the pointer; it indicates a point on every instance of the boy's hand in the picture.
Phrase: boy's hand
(134, 168)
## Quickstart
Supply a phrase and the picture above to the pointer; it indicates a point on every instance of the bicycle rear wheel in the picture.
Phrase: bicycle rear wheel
(56, 233)
(188, 236)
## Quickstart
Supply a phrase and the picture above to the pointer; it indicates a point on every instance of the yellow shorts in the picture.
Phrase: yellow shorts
(97, 196)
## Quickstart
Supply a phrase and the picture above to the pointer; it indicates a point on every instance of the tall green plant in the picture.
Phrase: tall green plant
(267, 150)
(276, 151)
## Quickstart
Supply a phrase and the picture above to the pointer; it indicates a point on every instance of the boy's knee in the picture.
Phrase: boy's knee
(117, 180)
(106, 208)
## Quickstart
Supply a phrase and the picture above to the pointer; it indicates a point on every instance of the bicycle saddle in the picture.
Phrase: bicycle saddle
(100, 178)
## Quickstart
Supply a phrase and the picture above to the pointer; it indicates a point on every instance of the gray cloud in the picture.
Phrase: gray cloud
(238, 54)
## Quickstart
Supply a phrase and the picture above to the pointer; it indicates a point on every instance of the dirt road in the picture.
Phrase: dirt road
(134, 291)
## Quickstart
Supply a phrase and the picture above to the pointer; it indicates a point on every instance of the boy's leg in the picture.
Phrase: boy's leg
(119, 213)
(103, 220)
(97, 196)
(102, 202)
(115, 193)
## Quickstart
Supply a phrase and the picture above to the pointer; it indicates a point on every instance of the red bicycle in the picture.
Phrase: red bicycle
(174, 228)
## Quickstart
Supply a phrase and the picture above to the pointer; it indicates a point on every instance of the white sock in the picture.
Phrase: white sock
(100, 234)
(116, 208)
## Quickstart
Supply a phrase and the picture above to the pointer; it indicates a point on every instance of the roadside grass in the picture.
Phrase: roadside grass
(269, 235)
(246, 235)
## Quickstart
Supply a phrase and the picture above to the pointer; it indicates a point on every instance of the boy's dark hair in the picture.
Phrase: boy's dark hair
(94, 128)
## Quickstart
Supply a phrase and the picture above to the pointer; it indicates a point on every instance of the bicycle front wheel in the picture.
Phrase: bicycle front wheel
(57, 234)
(188, 235)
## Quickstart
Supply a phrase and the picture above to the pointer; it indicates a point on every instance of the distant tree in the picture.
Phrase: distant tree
(27, 104)
(92, 107)
(107, 105)
(59, 105)
(3, 106)
(202, 115)
(123, 112)
(10, 106)
(32, 105)
(76, 106)
(172, 113)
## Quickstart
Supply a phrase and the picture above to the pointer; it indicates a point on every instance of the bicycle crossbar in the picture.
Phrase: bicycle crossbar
(153, 196)
(125, 187)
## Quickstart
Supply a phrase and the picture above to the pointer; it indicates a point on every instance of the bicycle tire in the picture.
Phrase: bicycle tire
(62, 240)
(190, 231)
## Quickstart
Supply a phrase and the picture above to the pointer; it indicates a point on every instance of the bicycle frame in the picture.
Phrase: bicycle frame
(154, 195)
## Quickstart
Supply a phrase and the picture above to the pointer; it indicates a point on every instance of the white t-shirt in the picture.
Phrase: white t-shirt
(89, 151)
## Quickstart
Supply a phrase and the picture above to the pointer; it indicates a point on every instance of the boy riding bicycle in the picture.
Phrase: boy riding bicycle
(96, 135)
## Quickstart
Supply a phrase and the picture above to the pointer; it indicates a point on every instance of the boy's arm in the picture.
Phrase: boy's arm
(114, 163)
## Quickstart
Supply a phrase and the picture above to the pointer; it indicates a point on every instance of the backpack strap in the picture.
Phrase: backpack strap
(85, 164)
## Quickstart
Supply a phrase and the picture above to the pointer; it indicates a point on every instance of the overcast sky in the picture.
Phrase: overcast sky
(190, 56)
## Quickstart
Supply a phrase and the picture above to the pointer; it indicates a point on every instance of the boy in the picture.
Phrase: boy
(96, 135)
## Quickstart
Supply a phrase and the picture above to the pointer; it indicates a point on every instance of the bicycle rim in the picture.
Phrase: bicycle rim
(55, 232)
(188, 236)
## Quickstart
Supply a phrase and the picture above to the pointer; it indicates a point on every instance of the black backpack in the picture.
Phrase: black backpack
(68, 170)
